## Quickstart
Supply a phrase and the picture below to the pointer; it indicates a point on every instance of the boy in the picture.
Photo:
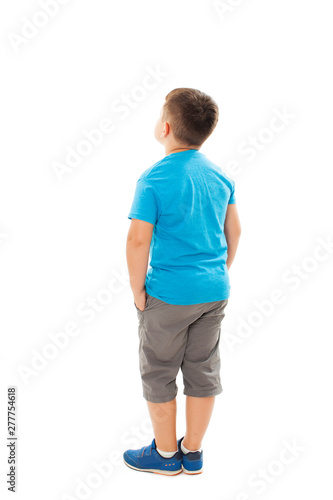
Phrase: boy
(184, 216)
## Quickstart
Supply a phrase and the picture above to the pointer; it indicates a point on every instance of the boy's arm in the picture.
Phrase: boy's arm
(137, 254)
(232, 231)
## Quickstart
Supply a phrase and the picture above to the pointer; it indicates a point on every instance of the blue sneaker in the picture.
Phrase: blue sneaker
(147, 459)
(192, 461)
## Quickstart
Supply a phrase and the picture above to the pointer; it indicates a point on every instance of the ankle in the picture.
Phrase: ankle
(166, 446)
(191, 445)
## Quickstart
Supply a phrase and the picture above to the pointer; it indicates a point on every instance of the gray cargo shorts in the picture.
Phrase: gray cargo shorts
(179, 336)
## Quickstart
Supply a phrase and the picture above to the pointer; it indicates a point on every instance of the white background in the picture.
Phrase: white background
(63, 241)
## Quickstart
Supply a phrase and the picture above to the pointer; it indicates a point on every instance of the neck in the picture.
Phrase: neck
(169, 150)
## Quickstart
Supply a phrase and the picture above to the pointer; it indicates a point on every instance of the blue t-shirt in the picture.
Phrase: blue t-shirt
(185, 196)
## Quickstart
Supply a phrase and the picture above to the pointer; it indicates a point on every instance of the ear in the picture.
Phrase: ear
(166, 129)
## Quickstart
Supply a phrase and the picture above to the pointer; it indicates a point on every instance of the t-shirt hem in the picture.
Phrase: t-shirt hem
(140, 217)
(181, 303)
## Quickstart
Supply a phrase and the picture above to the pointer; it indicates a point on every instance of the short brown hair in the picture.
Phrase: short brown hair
(193, 115)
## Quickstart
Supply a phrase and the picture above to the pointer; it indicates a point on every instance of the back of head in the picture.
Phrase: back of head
(192, 114)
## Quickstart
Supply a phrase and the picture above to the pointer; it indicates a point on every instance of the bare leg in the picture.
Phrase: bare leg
(198, 414)
(163, 417)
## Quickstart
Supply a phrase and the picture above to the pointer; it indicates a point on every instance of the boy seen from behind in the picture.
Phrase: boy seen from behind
(184, 218)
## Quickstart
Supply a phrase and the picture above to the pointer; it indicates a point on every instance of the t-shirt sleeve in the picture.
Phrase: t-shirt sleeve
(232, 198)
(145, 205)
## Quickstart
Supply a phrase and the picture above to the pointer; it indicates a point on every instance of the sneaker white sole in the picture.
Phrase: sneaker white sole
(156, 471)
(192, 472)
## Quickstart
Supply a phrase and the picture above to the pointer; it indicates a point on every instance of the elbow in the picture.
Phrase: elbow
(136, 242)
